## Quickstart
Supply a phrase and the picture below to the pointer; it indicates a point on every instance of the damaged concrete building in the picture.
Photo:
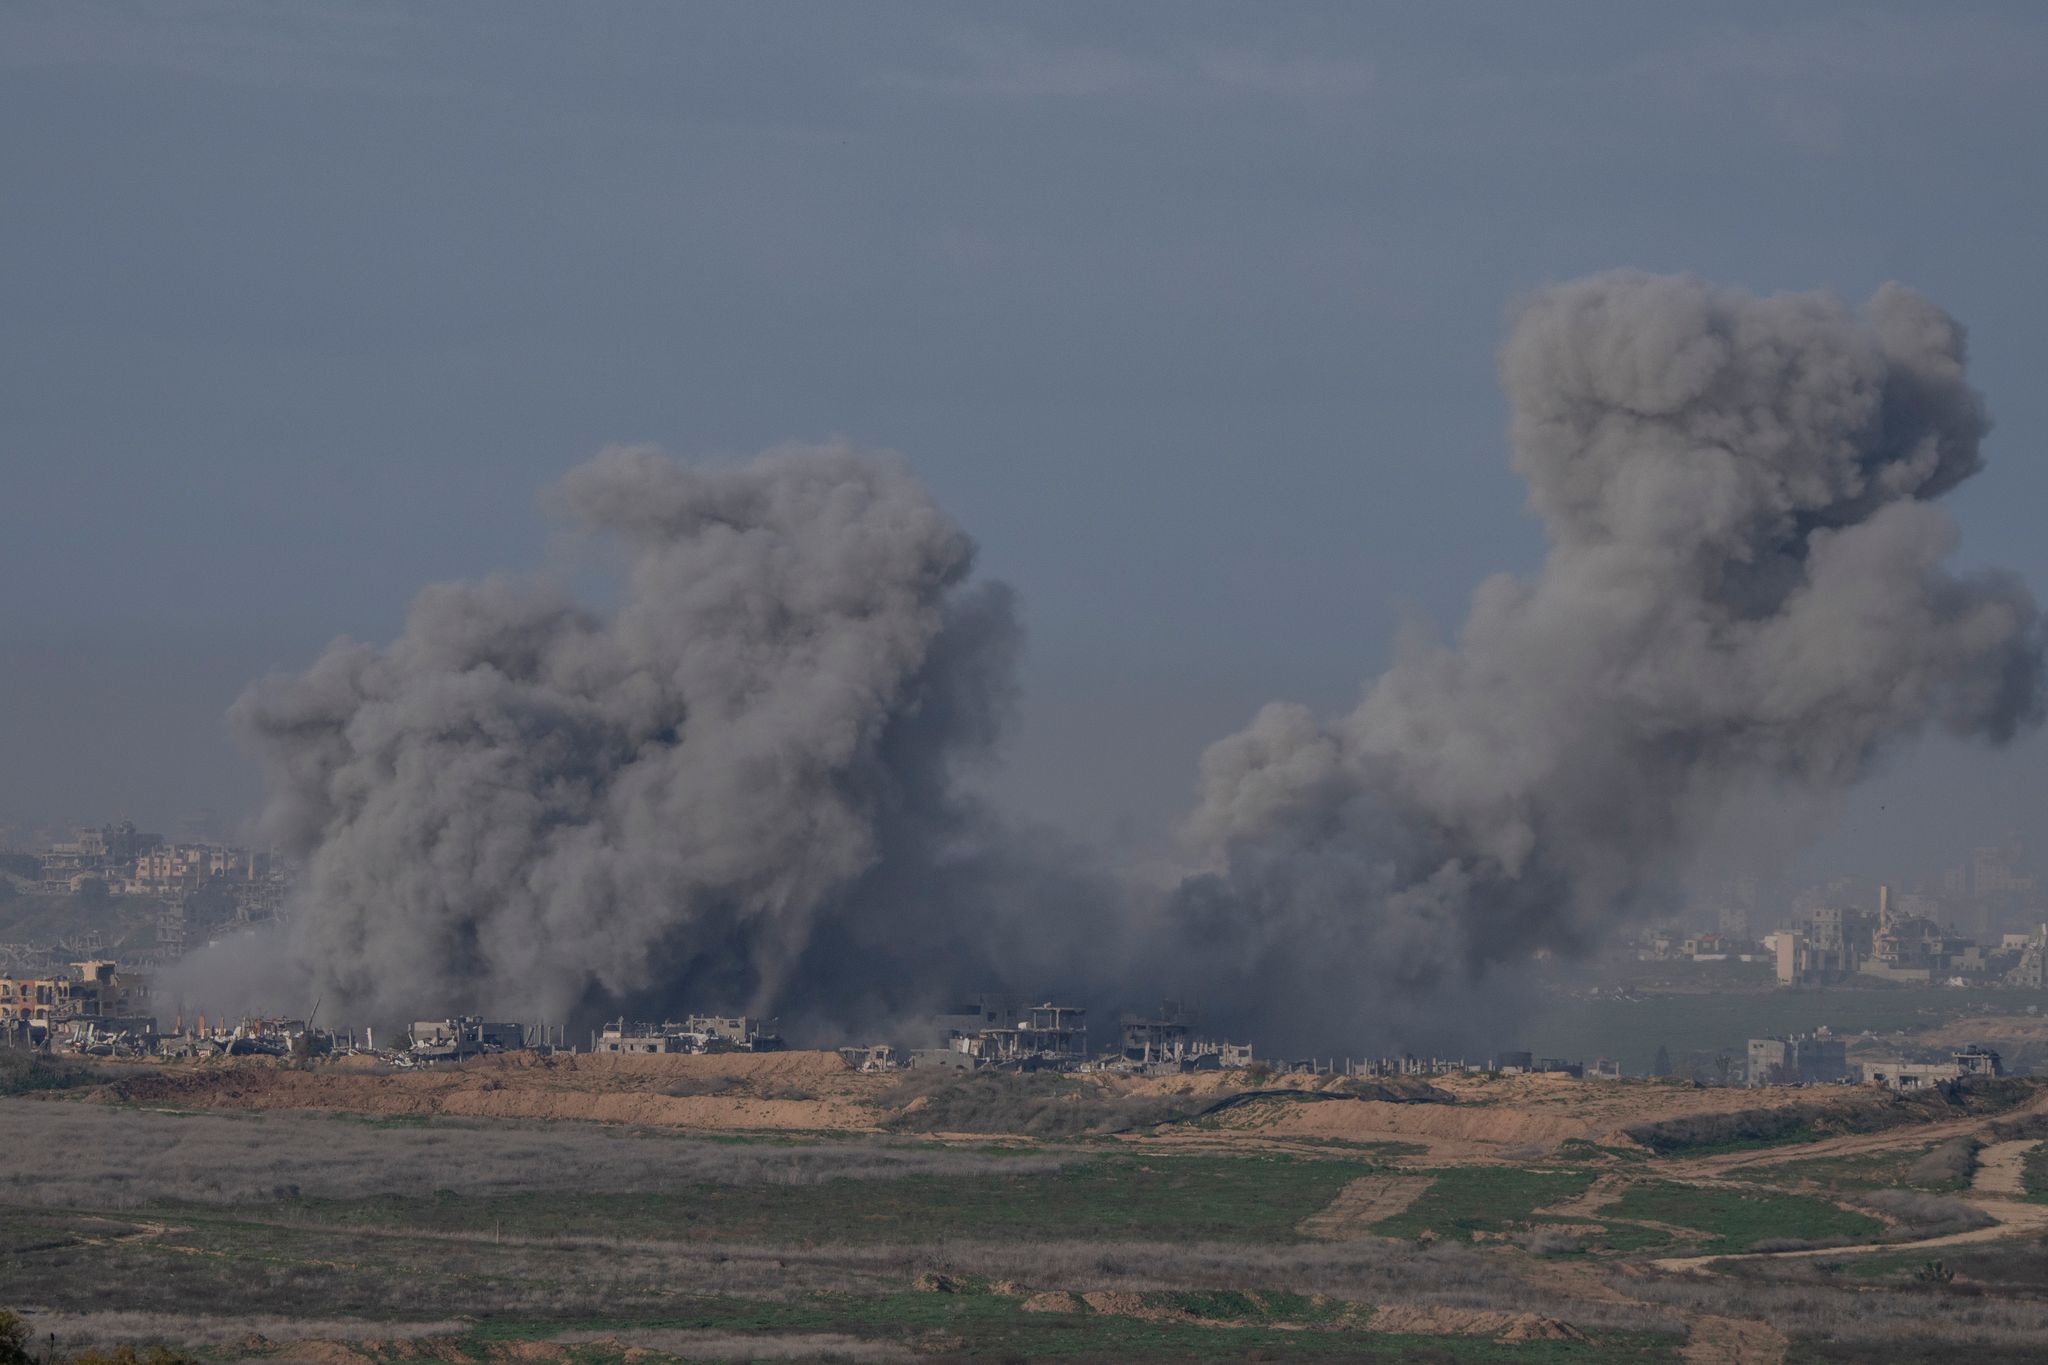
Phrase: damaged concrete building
(1801, 1059)
(1962, 1063)
(1004, 1031)
(1168, 1041)
(697, 1033)
(448, 1040)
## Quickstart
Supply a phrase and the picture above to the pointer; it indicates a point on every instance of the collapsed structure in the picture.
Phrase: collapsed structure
(1167, 1041)
(1802, 1059)
(1965, 1062)
(997, 1030)
(450, 1040)
(697, 1033)
(98, 999)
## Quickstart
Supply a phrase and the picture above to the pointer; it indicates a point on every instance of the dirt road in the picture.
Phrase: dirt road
(2001, 1169)
(1362, 1203)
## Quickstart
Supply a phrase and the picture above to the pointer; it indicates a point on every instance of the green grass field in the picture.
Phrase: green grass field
(1463, 1200)
(1255, 1198)
(2034, 1174)
(1732, 1220)
(475, 1243)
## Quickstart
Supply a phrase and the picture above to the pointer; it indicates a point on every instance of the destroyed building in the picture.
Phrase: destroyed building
(1004, 1031)
(1802, 1059)
(1963, 1063)
(36, 1010)
(697, 1033)
(1168, 1040)
(447, 1040)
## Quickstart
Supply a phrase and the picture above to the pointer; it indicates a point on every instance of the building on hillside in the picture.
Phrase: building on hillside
(1802, 1059)
(2030, 966)
(1965, 1062)
(697, 1033)
(994, 1030)
(1167, 1041)
(179, 869)
(447, 1040)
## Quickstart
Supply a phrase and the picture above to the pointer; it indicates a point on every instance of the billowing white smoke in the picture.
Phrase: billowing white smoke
(740, 776)
(1744, 597)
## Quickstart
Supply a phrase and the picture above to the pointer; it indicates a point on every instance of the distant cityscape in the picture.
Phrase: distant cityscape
(111, 903)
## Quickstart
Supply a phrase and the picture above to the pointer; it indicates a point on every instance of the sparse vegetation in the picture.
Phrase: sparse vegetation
(1465, 1201)
(583, 1241)
(1925, 1215)
(1947, 1166)
(1849, 1111)
(1039, 1104)
(24, 1072)
(1732, 1220)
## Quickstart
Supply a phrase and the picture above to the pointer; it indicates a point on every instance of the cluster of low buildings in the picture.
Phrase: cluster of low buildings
(188, 891)
(696, 1033)
(95, 996)
(1908, 939)
(127, 861)
(1903, 943)
(1822, 1059)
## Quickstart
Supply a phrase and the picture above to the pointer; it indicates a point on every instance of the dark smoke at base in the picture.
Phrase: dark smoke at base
(737, 789)
(734, 790)
(1743, 600)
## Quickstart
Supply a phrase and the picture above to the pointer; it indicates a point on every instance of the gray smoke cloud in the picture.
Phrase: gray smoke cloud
(734, 788)
(1743, 599)
(737, 785)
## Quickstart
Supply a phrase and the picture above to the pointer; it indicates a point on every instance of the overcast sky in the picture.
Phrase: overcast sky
(1188, 312)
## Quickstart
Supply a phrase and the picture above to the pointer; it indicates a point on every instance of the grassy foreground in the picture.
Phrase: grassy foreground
(281, 1235)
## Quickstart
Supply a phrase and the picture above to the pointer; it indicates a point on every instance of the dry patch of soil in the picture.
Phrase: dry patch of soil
(1362, 1203)
(770, 1090)
(2001, 1168)
(1439, 1320)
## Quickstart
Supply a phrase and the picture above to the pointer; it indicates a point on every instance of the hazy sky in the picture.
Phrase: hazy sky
(1188, 312)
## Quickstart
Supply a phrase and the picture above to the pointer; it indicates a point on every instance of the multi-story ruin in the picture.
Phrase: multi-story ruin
(697, 1033)
(1005, 1031)
(1802, 1059)
(447, 1040)
(1963, 1063)
(1168, 1041)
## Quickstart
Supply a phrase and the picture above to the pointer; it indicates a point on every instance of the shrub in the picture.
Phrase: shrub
(1950, 1165)
(23, 1072)
(1855, 1112)
(1551, 1242)
(1926, 1215)
(13, 1339)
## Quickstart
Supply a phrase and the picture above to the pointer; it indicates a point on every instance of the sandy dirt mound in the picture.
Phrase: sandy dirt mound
(1493, 1116)
(1053, 1301)
(1362, 1203)
(779, 1090)
(1440, 1321)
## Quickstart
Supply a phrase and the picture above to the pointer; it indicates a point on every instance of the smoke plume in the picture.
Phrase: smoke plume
(736, 783)
(736, 786)
(1744, 598)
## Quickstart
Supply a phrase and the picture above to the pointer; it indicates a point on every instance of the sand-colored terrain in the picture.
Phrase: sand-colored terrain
(1363, 1202)
(1489, 1118)
(1450, 1120)
(1453, 1119)
(733, 1091)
